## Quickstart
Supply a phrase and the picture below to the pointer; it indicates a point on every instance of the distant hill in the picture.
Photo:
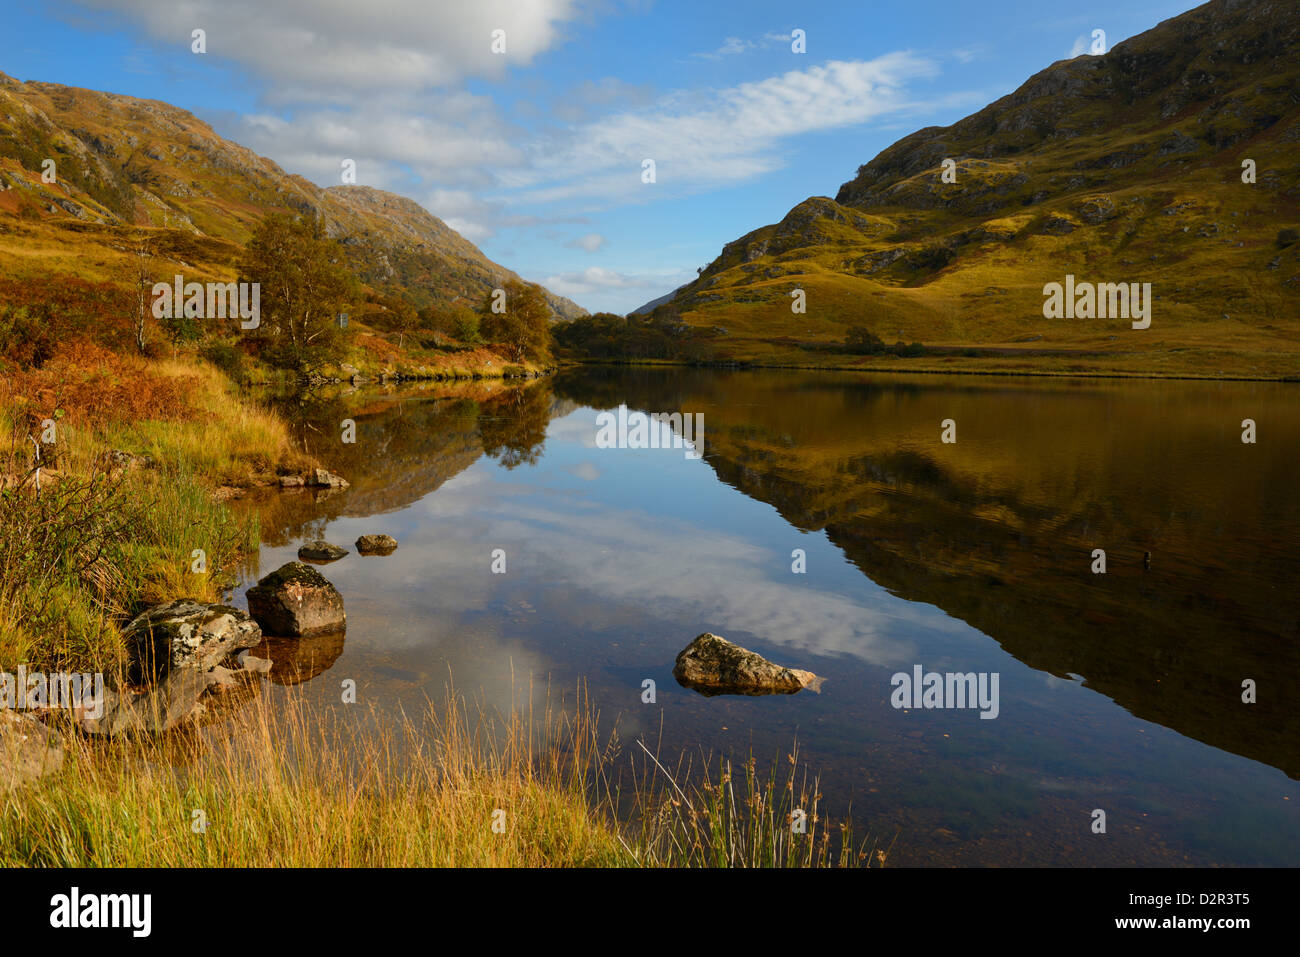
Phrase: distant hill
(121, 161)
(1125, 167)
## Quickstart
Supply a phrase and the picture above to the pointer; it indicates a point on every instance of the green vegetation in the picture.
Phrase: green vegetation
(303, 290)
(302, 789)
(93, 539)
(660, 335)
(519, 322)
(1122, 168)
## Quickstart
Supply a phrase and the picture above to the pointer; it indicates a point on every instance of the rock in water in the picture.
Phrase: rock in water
(319, 551)
(326, 479)
(186, 633)
(296, 600)
(376, 544)
(712, 665)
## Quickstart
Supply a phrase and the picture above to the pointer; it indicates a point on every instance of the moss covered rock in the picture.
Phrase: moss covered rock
(296, 600)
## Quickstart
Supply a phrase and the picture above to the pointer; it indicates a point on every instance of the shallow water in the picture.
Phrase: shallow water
(1120, 692)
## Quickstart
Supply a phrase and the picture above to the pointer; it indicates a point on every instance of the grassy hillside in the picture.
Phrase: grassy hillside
(1126, 167)
(121, 162)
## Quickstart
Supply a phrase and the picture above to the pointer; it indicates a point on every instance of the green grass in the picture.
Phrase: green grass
(92, 546)
(311, 786)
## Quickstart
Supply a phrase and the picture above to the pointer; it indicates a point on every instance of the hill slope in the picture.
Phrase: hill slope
(1126, 168)
(121, 161)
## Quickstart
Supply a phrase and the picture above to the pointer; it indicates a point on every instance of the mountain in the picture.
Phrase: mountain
(1125, 167)
(121, 161)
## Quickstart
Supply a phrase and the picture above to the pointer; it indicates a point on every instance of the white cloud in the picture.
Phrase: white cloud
(733, 46)
(1081, 46)
(593, 279)
(711, 138)
(592, 97)
(590, 242)
(325, 49)
(383, 83)
(451, 139)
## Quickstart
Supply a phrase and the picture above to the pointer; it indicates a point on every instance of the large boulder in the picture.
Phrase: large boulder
(28, 749)
(712, 665)
(296, 600)
(186, 633)
(178, 652)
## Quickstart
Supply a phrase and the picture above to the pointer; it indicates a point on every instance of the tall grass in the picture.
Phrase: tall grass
(88, 546)
(230, 440)
(301, 784)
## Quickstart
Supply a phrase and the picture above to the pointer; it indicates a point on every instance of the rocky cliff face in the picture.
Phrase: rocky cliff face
(119, 160)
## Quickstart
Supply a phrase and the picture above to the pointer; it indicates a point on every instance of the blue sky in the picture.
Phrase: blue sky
(536, 154)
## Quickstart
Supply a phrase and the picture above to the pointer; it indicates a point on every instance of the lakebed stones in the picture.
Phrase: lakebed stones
(376, 544)
(296, 600)
(28, 749)
(320, 551)
(324, 479)
(712, 665)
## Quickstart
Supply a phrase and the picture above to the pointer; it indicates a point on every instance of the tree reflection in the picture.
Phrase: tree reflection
(512, 426)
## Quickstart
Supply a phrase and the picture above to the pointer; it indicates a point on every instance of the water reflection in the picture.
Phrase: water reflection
(975, 555)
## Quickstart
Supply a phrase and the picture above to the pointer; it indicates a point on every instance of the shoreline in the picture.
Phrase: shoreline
(744, 366)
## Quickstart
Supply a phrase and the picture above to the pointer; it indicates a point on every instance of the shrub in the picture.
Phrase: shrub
(863, 341)
(226, 358)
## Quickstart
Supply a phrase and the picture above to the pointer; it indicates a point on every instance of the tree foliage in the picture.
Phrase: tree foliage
(661, 335)
(304, 286)
(521, 325)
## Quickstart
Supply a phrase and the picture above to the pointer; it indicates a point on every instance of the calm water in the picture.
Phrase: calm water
(1119, 691)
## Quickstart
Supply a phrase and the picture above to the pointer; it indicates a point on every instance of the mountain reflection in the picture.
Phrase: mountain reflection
(996, 530)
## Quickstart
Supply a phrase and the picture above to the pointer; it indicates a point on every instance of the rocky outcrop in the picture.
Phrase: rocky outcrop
(320, 551)
(178, 652)
(296, 600)
(186, 634)
(376, 544)
(316, 478)
(321, 478)
(28, 750)
(712, 665)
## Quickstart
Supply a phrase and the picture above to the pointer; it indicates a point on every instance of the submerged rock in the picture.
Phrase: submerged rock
(296, 600)
(376, 544)
(320, 551)
(712, 665)
(296, 660)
